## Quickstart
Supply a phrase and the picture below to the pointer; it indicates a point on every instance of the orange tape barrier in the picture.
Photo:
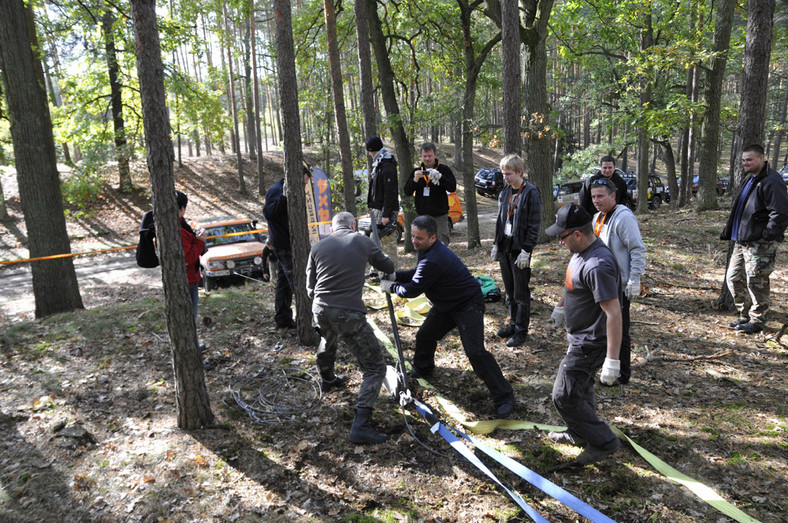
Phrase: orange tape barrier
(125, 248)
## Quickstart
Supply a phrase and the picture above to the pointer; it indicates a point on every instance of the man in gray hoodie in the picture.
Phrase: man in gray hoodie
(335, 280)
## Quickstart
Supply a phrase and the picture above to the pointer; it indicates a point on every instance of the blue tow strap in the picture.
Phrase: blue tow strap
(457, 445)
(545, 485)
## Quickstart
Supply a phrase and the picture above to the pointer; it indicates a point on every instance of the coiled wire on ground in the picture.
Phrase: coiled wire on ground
(275, 393)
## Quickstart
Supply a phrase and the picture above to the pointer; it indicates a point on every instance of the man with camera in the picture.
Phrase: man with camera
(430, 183)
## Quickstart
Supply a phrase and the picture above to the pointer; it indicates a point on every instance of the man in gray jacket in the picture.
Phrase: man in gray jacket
(618, 228)
(335, 280)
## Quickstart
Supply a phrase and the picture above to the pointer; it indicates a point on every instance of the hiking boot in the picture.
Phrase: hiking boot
(338, 382)
(504, 410)
(593, 454)
(361, 431)
(740, 321)
(749, 328)
(506, 332)
(566, 438)
(287, 325)
(517, 340)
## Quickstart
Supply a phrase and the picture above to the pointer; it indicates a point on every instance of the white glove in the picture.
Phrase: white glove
(435, 175)
(610, 371)
(632, 290)
(385, 286)
(558, 316)
(523, 260)
(494, 253)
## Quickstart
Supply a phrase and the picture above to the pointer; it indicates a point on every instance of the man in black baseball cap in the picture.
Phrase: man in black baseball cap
(591, 311)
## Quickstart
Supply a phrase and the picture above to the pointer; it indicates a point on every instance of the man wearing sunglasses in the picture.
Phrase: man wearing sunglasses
(591, 310)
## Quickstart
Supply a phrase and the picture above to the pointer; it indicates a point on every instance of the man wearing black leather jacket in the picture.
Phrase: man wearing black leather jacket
(756, 225)
(383, 196)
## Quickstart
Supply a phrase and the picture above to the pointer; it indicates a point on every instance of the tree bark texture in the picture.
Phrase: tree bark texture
(294, 171)
(538, 157)
(403, 146)
(192, 401)
(755, 79)
(233, 105)
(511, 78)
(55, 284)
(345, 153)
(368, 112)
(707, 170)
(256, 83)
(644, 144)
(125, 184)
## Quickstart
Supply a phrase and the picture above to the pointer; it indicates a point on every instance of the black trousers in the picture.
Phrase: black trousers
(516, 284)
(469, 321)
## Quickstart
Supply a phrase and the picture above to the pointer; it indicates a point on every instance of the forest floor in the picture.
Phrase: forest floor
(87, 401)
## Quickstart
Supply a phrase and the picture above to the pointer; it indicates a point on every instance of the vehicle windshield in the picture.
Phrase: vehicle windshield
(229, 229)
(486, 174)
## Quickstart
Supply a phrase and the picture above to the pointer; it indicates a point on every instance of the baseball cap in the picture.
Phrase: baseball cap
(568, 217)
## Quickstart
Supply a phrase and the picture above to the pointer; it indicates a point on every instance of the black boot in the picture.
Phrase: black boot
(361, 431)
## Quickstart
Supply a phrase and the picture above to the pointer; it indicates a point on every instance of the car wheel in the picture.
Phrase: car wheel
(208, 283)
(655, 202)
(480, 193)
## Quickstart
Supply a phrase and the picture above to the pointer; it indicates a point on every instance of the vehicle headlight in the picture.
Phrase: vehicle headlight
(214, 265)
(230, 264)
(258, 260)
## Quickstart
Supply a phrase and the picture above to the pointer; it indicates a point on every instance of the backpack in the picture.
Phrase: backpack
(146, 248)
(490, 290)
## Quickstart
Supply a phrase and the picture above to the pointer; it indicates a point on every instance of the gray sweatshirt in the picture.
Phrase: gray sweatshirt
(337, 266)
(621, 234)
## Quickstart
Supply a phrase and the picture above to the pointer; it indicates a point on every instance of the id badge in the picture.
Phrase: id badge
(507, 230)
(426, 191)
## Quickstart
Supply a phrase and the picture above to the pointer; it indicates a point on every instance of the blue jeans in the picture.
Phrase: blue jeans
(283, 296)
(469, 320)
(194, 295)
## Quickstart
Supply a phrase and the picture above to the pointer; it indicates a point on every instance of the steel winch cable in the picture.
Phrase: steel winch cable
(275, 393)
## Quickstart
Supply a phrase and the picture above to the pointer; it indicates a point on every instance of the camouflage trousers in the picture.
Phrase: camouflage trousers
(388, 244)
(748, 278)
(351, 327)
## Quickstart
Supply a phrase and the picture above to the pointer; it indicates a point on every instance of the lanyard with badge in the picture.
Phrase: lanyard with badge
(513, 199)
(426, 191)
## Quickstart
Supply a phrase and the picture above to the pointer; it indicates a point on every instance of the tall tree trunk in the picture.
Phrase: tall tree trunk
(473, 66)
(346, 155)
(403, 146)
(54, 281)
(778, 136)
(3, 208)
(538, 157)
(125, 184)
(510, 73)
(707, 170)
(644, 144)
(193, 404)
(235, 136)
(755, 80)
(294, 171)
(251, 128)
(256, 83)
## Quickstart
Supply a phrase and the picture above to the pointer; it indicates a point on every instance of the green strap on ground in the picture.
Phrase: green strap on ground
(487, 426)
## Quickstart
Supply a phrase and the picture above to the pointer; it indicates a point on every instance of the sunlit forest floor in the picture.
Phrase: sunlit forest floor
(87, 400)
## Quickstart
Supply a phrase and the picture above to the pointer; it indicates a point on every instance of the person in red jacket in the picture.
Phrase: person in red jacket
(193, 247)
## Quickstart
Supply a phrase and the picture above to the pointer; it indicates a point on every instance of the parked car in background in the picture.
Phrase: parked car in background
(455, 216)
(784, 172)
(721, 186)
(568, 192)
(488, 181)
(240, 252)
(657, 192)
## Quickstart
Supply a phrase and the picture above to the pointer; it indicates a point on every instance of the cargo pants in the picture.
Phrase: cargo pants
(748, 278)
